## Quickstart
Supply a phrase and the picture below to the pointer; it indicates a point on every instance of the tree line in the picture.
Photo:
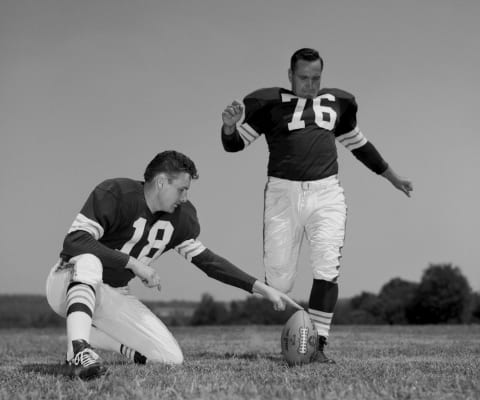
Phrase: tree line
(443, 296)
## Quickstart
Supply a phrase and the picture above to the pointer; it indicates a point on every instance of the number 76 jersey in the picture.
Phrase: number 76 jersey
(300, 132)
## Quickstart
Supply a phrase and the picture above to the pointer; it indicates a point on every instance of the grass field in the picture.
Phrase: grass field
(244, 362)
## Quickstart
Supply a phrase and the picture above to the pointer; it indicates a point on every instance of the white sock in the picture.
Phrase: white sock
(80, 306)
(322, 321)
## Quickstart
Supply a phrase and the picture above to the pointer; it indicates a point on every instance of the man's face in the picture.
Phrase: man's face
(305, 79)
(173, 191)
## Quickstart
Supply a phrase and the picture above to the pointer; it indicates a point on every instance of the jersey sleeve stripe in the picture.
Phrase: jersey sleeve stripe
(190, 248)
(82, 223)
(247, 133)
(353, 139)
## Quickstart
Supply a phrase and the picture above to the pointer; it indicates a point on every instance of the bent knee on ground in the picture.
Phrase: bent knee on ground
(173, 356)
(160, 346)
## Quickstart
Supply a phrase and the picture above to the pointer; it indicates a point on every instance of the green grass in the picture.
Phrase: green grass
(373, 362)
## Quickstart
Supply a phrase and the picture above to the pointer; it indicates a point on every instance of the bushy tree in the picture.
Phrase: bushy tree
(395, 298)
(443, 296)
(209, 312)
(254, 310)
(366, 309)
(343, 311)
(476, 307)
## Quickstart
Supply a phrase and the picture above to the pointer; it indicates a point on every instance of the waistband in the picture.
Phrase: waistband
(305, 185)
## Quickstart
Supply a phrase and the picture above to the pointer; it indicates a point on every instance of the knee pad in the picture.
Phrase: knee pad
(165, 351)
(177, 358)
(87, 268)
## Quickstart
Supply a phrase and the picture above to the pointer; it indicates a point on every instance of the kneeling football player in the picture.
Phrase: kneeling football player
(123, 226)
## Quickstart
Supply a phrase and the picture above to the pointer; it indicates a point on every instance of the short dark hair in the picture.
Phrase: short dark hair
(172, 163)
(306, 54)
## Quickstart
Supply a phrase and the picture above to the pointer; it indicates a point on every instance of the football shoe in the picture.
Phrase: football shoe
(85, 364)
(320, 354)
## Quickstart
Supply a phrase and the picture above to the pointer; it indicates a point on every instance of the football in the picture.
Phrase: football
(299, 339)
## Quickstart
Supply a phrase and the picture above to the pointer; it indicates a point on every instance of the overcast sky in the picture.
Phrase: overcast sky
(93, 89)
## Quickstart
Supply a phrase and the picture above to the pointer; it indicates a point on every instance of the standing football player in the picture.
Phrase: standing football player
(302, 194)
(124, 225)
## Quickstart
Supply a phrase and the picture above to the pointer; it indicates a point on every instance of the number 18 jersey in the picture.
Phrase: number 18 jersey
(118, 224)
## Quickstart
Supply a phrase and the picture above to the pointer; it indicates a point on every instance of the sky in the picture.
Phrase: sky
(93, 89)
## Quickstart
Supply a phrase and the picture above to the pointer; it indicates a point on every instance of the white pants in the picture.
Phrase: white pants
(119, 315)
(293, 209)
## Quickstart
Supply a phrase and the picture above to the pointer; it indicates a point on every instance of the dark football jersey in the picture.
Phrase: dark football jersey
(117, 216)
(300, 133)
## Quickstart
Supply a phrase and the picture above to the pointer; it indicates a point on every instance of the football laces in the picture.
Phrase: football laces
(303, 341)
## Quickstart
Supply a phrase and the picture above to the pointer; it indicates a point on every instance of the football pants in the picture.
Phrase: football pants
(293, 210)
(119, 315)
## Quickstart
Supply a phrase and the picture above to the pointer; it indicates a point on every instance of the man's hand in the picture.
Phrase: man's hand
(147, 274)
(230, 116)
(279, 299)
(402, 184)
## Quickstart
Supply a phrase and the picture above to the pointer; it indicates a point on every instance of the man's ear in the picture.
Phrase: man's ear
(290, 75)
(161, 179)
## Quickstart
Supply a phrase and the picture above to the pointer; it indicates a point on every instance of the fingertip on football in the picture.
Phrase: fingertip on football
(297, 306)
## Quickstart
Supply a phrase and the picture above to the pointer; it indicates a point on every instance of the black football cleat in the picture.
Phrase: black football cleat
(320, 356)
(85, 364)
(139, 358)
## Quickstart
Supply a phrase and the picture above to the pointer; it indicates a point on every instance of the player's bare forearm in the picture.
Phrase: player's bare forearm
(402, 184)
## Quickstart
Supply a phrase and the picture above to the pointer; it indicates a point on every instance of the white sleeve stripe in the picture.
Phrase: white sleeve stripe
(250, 130)
(349, 135)
(194, 253)
(184, 244)
(354, 144)
(247, 133)
(82, 223)
(244, 137)
(190, 248)
(352, 140)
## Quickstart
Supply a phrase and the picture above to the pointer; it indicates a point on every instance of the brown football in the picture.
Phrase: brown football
(299, 339)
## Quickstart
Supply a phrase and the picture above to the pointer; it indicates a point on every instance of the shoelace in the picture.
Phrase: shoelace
(86, 357)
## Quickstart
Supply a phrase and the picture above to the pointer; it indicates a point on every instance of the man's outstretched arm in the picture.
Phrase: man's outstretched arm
(222, 270)
(367, 153)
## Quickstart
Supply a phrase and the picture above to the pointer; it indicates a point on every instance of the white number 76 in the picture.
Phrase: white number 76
(318, 109)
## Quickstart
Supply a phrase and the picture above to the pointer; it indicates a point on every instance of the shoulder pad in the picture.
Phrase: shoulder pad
(120, 185)
(264, 95)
